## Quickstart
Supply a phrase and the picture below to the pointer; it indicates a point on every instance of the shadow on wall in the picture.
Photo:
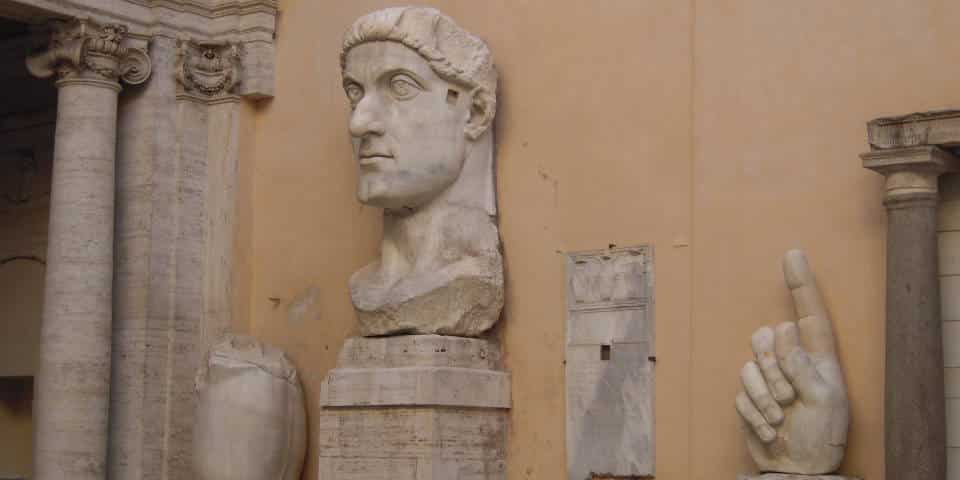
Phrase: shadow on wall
(16, 395)
(16, 414)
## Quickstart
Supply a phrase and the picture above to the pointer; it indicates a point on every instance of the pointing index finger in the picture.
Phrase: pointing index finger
(816, 330)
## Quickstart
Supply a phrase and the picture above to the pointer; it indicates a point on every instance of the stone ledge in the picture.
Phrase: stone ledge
(791, 476)
(416, 386)
(925, 157)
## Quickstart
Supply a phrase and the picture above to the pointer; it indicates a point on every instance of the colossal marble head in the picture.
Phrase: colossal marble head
(423, 95)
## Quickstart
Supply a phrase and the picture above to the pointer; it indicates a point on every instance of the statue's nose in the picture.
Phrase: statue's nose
(366, 118)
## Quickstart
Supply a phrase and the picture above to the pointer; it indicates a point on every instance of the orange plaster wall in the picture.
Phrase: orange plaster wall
(782, 93)
(720, 132)
(582, 139)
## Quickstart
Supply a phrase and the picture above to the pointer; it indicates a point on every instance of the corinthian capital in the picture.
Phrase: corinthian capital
(84, 49)
(208, 68)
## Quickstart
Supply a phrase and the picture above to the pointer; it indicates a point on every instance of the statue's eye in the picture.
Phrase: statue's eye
(354, 92)
(403, 87)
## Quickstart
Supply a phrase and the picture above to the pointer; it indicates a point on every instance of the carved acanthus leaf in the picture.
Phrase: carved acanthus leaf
(82, 48)
(208, 68)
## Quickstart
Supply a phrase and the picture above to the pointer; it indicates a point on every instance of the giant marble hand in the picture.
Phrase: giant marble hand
(794, 400)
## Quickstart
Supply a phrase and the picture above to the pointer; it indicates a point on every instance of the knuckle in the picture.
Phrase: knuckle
(762, 337)
(769, 363)
(785, 327)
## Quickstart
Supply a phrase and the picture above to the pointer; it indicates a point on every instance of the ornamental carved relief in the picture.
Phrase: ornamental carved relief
(208, 68)
(82, 48)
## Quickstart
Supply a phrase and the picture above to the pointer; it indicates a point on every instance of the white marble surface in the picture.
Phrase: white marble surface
(251, 420)
(794, 399)
(417, 370)
(73, 382)
(423, 97)
(414, 407)
(790, 476)
(609, 371)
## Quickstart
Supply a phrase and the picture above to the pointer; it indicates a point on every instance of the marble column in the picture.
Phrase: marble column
(914, 416)
(73, 384)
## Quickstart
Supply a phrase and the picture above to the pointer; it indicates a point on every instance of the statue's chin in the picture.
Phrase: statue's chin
(392, 205)
(376, 193)
(383, 201)
(397, 192)
(372, 192)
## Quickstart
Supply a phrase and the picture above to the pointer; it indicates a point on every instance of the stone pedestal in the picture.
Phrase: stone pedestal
(418, 407)
(791, 476)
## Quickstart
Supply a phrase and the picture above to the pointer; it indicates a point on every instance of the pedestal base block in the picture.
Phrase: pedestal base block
(791, 476)
(418, 407)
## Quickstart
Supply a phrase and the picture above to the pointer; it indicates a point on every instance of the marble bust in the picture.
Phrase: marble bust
(423, 96)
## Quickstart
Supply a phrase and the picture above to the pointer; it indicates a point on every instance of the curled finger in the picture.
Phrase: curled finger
(748, 411)
(764, 350)
(756, 388)
(795, 363)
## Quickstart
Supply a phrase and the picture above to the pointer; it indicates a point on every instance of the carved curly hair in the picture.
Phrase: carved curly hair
(453, 53)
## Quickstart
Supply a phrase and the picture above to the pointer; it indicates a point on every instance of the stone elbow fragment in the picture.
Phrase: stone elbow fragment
(250, 419)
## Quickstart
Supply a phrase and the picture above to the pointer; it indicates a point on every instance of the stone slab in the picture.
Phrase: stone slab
(609, 364)
(791, 476)
(447, 386)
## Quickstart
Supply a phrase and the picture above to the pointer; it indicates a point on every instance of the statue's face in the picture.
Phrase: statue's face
(408, 125)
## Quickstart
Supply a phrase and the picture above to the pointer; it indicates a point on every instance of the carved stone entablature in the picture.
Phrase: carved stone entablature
(250, 23)
(84, 49)
(208, 69)
(938, 127)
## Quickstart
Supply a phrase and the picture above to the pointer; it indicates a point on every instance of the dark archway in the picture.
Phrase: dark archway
(27, 120)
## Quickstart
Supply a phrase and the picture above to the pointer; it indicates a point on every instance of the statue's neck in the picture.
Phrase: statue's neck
(411, 237)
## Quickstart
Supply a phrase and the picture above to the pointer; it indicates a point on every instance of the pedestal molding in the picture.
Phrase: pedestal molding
(416, 387)
(398, 408)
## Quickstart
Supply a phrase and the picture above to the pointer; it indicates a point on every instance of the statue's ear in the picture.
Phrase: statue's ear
(483, 106)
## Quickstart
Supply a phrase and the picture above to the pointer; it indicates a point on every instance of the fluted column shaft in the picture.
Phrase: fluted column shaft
(73, 384)
(914, 411)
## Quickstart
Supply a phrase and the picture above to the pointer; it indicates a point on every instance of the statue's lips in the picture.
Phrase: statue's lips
(370, 160)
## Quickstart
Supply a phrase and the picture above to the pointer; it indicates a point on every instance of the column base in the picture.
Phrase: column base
(417, 407)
